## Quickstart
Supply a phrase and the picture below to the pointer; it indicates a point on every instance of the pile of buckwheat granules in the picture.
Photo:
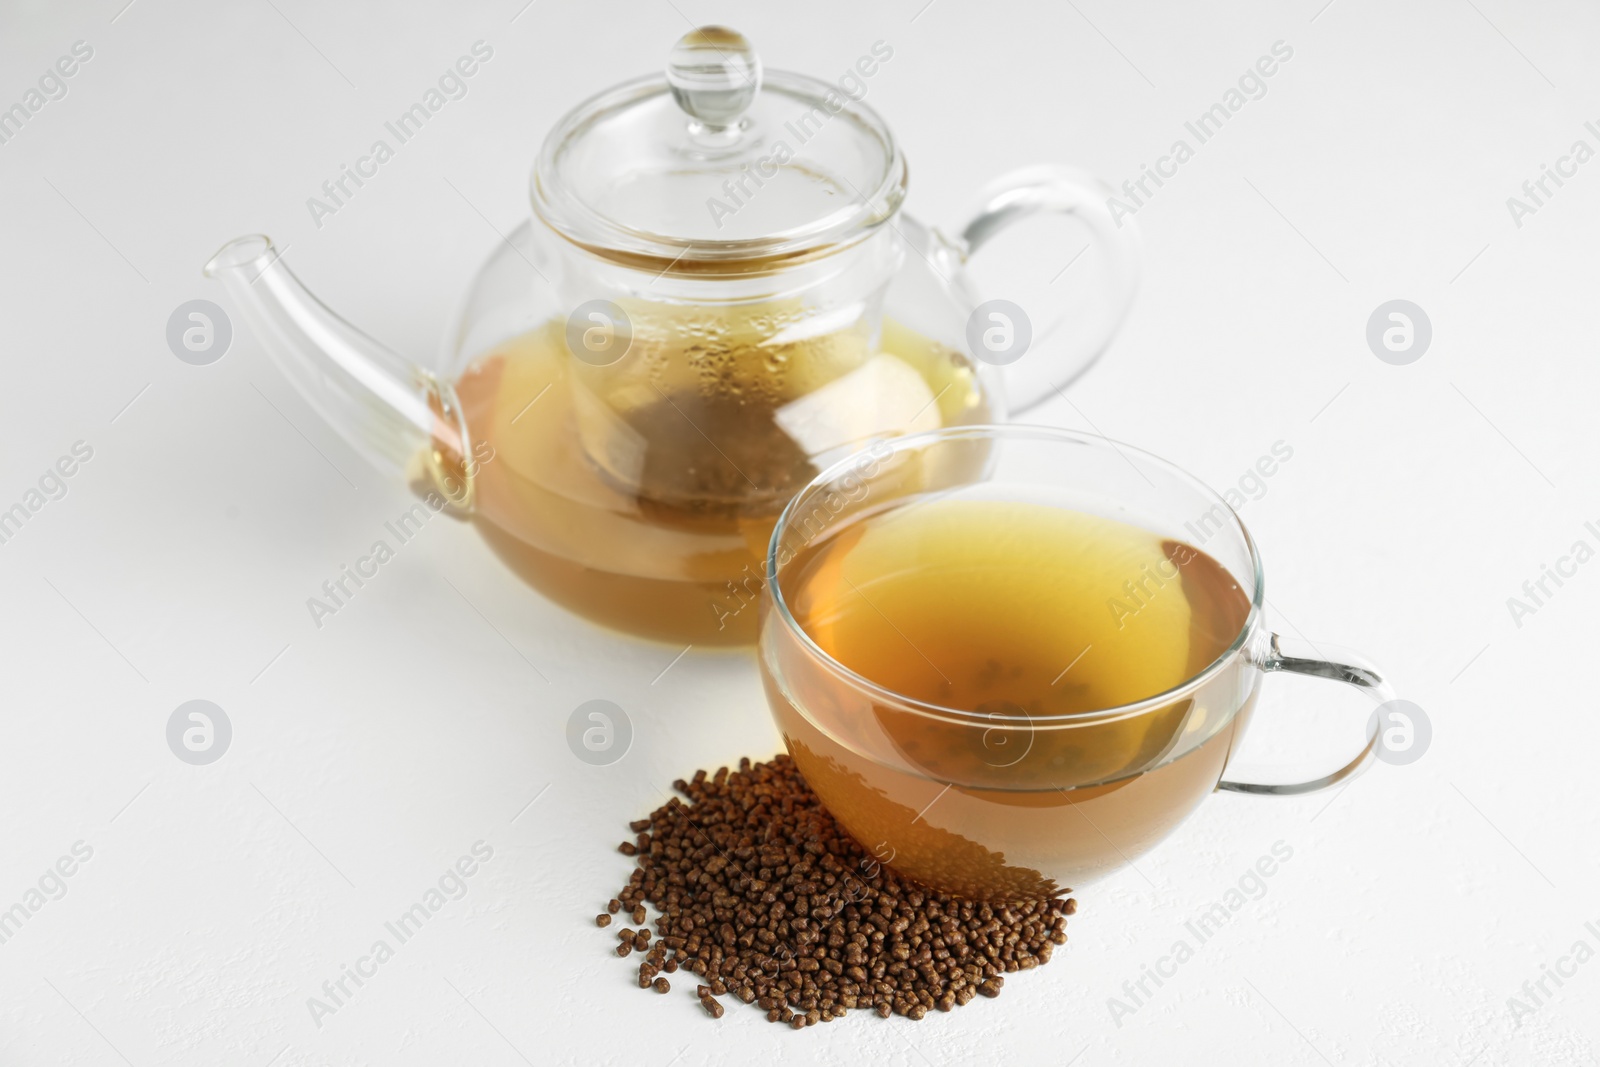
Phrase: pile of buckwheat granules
(759, 894)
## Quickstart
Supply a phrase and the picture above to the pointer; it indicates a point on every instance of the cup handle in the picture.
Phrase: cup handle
(1051, 190)
(1348, 667)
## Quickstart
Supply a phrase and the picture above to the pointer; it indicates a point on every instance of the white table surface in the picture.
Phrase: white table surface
(369, 755)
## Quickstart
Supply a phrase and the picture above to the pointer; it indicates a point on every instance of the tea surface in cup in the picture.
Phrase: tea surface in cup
(1023, 620)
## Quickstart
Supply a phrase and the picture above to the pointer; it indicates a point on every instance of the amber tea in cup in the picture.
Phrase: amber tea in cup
(1011, 660)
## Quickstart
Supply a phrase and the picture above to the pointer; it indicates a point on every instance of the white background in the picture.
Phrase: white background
(369, 755)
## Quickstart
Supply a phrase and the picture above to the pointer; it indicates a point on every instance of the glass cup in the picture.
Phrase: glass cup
(996, 802)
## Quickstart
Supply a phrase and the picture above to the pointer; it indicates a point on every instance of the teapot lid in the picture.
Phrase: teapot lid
(713, 165)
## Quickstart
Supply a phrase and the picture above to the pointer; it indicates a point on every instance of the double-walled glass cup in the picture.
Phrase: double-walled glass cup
(994, 802)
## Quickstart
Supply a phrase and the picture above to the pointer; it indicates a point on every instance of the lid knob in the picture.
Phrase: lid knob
(715, 74)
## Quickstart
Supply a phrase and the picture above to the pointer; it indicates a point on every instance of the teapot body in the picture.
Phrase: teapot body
(717, 296)
(638, 431)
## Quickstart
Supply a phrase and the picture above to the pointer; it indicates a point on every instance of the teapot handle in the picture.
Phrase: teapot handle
(1052, 190)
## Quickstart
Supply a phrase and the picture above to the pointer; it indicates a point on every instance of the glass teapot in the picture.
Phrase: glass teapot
(718, 296)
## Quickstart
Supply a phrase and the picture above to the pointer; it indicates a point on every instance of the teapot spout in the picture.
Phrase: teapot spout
(387, 408)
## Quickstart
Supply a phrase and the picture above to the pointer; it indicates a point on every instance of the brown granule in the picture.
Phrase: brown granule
(758, 893)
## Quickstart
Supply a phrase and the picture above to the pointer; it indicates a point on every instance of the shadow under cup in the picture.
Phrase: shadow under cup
(996, 802)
